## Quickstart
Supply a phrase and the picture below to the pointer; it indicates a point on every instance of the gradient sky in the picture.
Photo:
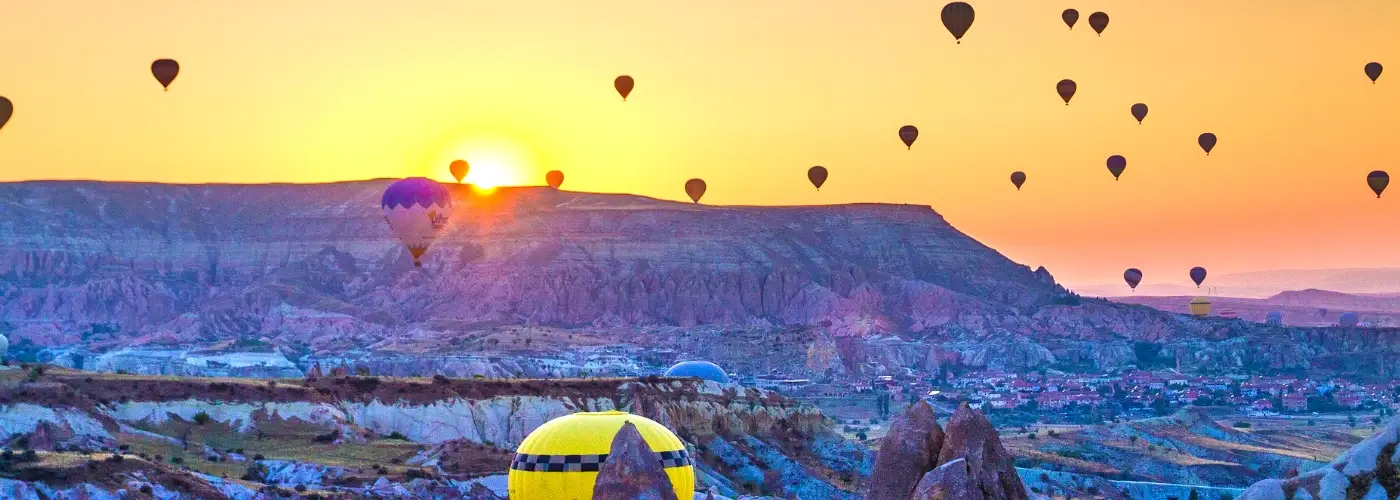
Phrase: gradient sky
(748, 95)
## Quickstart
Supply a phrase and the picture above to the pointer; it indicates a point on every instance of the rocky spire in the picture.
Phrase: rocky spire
(910, 449)
(920, 461)
(631, 471)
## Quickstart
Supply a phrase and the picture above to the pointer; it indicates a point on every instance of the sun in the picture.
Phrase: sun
(492, 163)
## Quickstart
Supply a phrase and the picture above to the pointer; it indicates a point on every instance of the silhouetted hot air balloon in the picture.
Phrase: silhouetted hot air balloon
(1378, 180)
(459, 169)
(1139, 111)
(1207, 142)
(1198, 275)
(1066, 89)
(1373, 71)
(417, 210)
(1349, 320)
(1133, 276)
(1070, 16)
(1098, 21)
(957, 17)
(7, 109)
(555, 178)
(1018, 178)
(165, 71)
(1116, 165)
(907, 134)
(695, 188)
(624, 85)
(817, 175)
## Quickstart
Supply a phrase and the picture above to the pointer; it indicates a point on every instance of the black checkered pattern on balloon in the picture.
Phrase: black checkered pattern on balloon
(586, 463)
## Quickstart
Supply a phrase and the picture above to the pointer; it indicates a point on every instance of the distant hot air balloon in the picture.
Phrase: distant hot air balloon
(165, 71)
(1274, 318)
(1207, 142)
(1198, 275)
(1200, 307)
(1098, 21)
(1373, 71)
(417, 210)
(1349, 320)
(555, 178)
(1066, 89)
(459, 169)
(695, 188)
(817, 175)
(1116, 165)
(1018, 178)
(1133, 276)
(1378, 180)
(1322, 311)
(957, 17)
(907, 134)
(1070, 16)
(624, 85)
(7, 109)
(1139, 111)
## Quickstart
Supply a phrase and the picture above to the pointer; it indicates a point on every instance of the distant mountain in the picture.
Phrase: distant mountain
(1300, 307)
(1260, 284)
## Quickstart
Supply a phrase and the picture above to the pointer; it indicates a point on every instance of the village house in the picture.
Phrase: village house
(1295, 401)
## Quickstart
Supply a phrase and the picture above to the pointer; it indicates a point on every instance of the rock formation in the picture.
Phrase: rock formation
(919, 460)
(631, 471)
(1368, 471)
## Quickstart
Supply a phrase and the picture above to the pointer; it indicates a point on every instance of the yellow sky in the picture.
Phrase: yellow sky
(748, 95)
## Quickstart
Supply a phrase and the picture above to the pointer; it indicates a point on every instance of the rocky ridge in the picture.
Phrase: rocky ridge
(1368, 471)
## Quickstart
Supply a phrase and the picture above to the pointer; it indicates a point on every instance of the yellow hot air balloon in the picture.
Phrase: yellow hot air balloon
(1200, 307)
(560, 459)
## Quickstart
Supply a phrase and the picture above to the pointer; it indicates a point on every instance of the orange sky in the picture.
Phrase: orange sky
(748, 95)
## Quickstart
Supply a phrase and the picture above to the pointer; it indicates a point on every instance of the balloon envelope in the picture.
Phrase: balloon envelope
(1098, 21)
(165, 71)
(1139, 111)
(1378, 180)
(957, 17)
(1198, 275)
(1200, 307)
(1274, 318)
(695, 188)
(1349, 319)
(1070, 16)
(624, 85)
(1207, 141)
(1066, 89)
(1116, 165)
(459, 169)
(417, 210)
(817, 175)
(1018, 178)
(907, 134)
(1133, 276)
(1373, 71)
(7, 109)
(558, 460)
(555, 178)
(703, 370)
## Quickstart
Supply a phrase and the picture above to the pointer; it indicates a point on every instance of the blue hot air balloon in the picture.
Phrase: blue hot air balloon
(417, 210)
(703, 370)
(1274, 318)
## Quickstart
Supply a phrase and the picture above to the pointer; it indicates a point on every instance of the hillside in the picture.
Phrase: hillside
(1311, 307)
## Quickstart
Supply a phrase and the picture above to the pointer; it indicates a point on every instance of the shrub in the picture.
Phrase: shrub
(397, 435)
(201, 418)
(1241, 425)
(441, 379)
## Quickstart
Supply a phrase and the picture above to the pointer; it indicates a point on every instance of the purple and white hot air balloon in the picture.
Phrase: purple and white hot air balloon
(417, 210)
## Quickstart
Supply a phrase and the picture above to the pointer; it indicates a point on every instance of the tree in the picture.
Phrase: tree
(1194, 495)
(1351, 420)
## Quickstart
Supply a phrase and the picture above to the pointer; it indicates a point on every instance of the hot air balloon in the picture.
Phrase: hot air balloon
(561, 458)
(1274, 318)
(703, 370)
(1018, 178)
(1098, 21)
(695, 188)
(817, 175)
(7, 109)
(1116, 165)
(555, 178)
(1066, 89)
(1373, 71)
(1133, 276)
(907, 134)
(459, 169)
(624, 85)
(957, 17)
(1200, 307)
(1378, 180)
(1349, 320)
(1207, 142)
(1139, 111)
(1198, 275)
(417, 210)
(165, 71)
(1070, 16)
